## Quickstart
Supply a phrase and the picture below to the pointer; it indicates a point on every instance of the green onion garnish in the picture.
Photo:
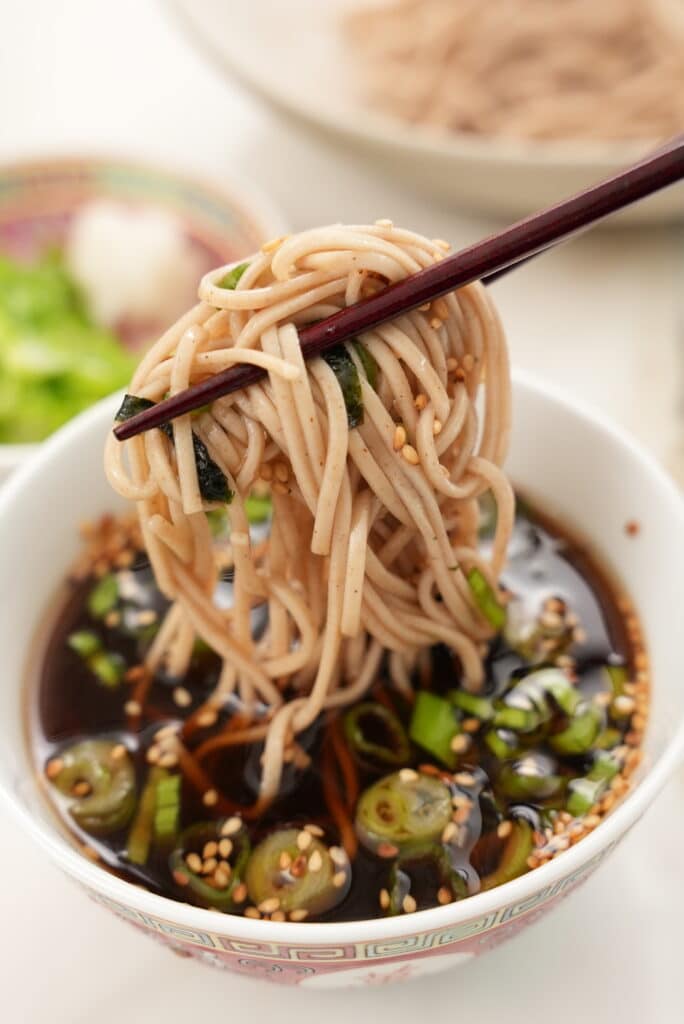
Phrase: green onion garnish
(84, 642)
(140, 835)
(230, 280)
(485, 599)
(103, 597)
(259, 508)
(167, 808)
(434, 725)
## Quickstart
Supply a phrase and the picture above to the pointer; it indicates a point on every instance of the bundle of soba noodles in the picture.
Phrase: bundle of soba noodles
(375, 457)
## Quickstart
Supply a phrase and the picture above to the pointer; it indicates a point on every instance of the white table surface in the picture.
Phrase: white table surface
(601, 317)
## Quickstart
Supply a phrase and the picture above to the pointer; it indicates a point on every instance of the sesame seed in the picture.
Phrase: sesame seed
(284, 860)
(299, 915)
(470, 724)
(623, 705)
(54, 767)
(146, 617)
(266, 471)
(468, 362)
(82, 788)
(399, 438)
(449, 832)
(278, 915)
(384, 223)
(210, 849)
(384, 899)
(119, 752)
(425, 307)
(168, 760)
(112, 618)
(280, 488)
(420, 401)
(408, 904)
(459, 800)
(282, 473)
(209, 866)
(460, 743)
(210, 798)
(153, 754)
(443, 895)
(464, 779)
(338, 856)
(452, 364)
(435, 323)
(182, 697)
(436, 428)
(225, 848)
(90, 853)
(304, 840)
(551, 620)
(408, 775)
(387, 850)
(251, 912)
(339, 879)
(410, 454)
(591, 821)
(194, 862)
(207, 718)
(166, 732)
(504, 829)
(180, 878)
(240, 893)
(221, 877)
(231, 826)
(315, 861)
(602, 700)
(132, 708)
(315, 830)
(269, 905)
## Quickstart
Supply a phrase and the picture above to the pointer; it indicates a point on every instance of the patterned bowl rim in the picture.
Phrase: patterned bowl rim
(323, 933)
(253, 210)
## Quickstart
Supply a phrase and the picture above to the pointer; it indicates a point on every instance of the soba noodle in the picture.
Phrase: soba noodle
(528, 69)
(374, 528)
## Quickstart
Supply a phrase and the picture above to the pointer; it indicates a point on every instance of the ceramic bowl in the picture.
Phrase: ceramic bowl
(570, 460)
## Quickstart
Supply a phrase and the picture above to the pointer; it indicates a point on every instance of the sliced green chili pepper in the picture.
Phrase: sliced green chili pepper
(140, 834)
(342, 365)
(258, 508)
(103, 597)
(486, 599)
(403, 811)
(374, 733)
(204, 890)
(503, 743)
(513, 861)
(517, 719)
(296, 879)
(584, 792)
(581, 732)
(84, 642)
(608, 738)
(231, 278)
(167, 808)
(617, 676)
(434, 725)
(110, 780)
(108, 666)
(399, 881)
(370, 366)
(472, 705)
(531, 777)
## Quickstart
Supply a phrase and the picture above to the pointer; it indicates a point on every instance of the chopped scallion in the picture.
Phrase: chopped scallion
(434, 725)
(486, 599)
(230, 280)
(103, 596)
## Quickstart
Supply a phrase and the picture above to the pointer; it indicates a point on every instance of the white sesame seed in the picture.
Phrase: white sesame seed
(384, 898)
(315, 861)
(231, 826)
(420, 401)
(299, 915)
(252, 912)
(222, 878)
(210, 849)
(304, 840)
(240, 893)
(54, 767)
(464, 779)
(210, 798)
(269, 905)
(182, 697)
(623, 705)
(194, 862)
(132, 708)
(168, 760)
(410, 454)
(339, 879)
(460, 743)
(399, 438)
(315, 830)
(338, 856)
(408, 904)
(225, 848)
(504, 829)
(449, 832)
(436, 428)
(408, 775)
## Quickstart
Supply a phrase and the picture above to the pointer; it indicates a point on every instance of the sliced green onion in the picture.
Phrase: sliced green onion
(513, 861)
(581, 732)
(503, 743)
(259, 508)
(312, 890)
(230, 279)
(370, 366)
(472, 705)
(198, 888)
(403, 812)
(167, 808)
(486, 599)
(617, 677)
(84, 642)
(584, 792)
(109, 668)
(140, 835)
(342, 365)
(517, 719)
(109, 804)
(103, 597)
(370, 719)
(399, 881)
(434, 725)
(608, 738)
(531, 777)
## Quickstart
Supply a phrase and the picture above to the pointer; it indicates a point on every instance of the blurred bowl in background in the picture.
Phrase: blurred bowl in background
(107, 220)
(294, 55)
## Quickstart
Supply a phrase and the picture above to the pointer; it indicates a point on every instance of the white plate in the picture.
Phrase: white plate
(292, 54)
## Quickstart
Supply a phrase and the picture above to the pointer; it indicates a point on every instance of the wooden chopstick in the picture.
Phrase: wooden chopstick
(483, 260)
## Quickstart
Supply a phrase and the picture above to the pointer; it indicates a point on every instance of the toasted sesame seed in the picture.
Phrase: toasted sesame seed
(221, 877)
(146, 617)
(408, 904)
(284, 860)
(464, 779)
(269, 905)
(399, 437)
(194, 862)
(420, 401)
(90, 853)
(384, 899)
(435, 323)
(280, 488)
(459, 800)
(504, 829)
(470, 725)
(210, 849)
(251, 912)
(624, 705)
(304, 840)
(231, 826)
(443, 895)
(282, 473)
(532, 861)
(387, 850)
(112, 618)
(468, 362)
(180, 878)
(54, 767)
(225, 848)
(210, 798)
(299, 915)
(591, 821)
(278, 915)
(436, 428)
(425, 307)
(408, 775)
(452, 364)
(266, 471)
(119, 752)
(240, 893)
(133, 708)
(168, 760)
(410, 454)
(602, 700)
(449, 832)
(182, 697)
(166, 732)
(460, 743)
(81, 788)
(338, 856)
(339, 879)
(315, 830)
(207, 718)
(315, 861)
(384, 222)
(153, 754)
(209, 866)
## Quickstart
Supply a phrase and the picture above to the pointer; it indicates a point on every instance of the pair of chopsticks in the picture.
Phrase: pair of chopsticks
(485, 260)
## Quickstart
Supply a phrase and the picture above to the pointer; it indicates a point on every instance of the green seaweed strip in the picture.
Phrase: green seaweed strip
(342, 365)
(370, 366)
